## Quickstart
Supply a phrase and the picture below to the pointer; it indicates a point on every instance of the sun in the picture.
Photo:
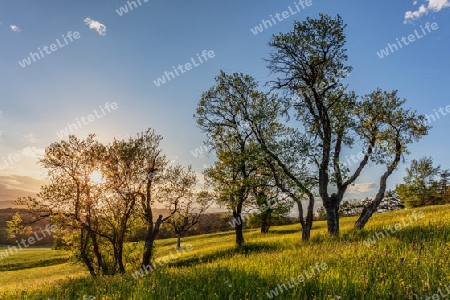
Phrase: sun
(96, 177)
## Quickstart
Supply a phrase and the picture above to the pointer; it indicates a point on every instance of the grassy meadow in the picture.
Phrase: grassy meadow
(412, 263)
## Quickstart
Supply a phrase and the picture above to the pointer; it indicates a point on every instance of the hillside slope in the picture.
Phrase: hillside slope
(396, 256)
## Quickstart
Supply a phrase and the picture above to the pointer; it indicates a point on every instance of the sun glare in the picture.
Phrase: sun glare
(96, 177)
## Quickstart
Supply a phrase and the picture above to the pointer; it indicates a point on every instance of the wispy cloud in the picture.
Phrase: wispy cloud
(360, 188)
(96, 25)
(14, 186)
(15, 28)
(433, 5)
(32, 152)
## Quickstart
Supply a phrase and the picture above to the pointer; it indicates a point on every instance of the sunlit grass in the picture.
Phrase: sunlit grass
(215, 269)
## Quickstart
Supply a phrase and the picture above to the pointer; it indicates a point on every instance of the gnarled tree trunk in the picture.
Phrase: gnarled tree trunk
(152, 233)
(372, 207)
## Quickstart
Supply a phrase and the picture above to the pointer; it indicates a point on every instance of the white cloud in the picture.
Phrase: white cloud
(359, 188)
(96, 25)
(15, 28)
(433, 5)
(32, 152)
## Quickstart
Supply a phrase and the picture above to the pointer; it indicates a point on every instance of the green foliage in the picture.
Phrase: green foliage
(256, 219)
(15, 225)
(420, 186)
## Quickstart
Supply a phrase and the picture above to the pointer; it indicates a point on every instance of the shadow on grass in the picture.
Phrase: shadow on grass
(35, 264)
(205, 283)
(246, 249)
(407, 234)
(284, 231)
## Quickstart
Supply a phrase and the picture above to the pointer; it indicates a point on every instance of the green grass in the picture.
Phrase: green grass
(216, 269)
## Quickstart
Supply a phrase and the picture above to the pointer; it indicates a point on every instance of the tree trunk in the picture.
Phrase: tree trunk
(332, 220)
(239, 235)
(372, 207)
(152, 232)
(265, 221)
(239, 224)
(179, 240)
(306, 230)
(97, 253)
(83, 245)
(118, 253)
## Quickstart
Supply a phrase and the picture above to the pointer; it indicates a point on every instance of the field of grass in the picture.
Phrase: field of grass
(413, 260)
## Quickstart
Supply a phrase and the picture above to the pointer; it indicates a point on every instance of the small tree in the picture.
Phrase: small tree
(420, 185)
(219, 116)
(443, 185)
(189, 206)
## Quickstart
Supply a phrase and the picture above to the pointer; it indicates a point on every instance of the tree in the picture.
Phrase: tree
(396, 129)
(72, 200)
(310, 64)
(271, 203)
(234, 110)
(443, 185)
(96, 193)
(156, 182)
(187, 203)
(189, 212)
(230, 178)
(238, 155)
(420, 182)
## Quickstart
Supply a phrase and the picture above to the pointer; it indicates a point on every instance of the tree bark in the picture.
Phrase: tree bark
(84, 240)
(238, 228)
(306, 230)
(179, 240)
(118, 253)
(97, 252)
(265, 221)
(152, 232)
(239, 235)
(332, 210)
(372, 207)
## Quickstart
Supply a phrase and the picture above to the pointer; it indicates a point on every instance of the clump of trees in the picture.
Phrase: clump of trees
(424, 184)
(97, 194)
(293, 134)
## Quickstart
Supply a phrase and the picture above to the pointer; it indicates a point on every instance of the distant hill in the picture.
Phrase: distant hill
(209, 223)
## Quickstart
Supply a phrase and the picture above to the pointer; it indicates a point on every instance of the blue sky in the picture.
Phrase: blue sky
(117, 58)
